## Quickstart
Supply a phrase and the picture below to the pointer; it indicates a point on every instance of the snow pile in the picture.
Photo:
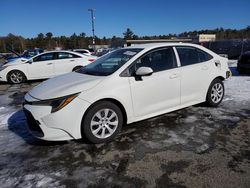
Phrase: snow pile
(237, 88)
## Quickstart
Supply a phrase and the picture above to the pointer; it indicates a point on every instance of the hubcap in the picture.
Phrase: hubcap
(104, 123)
(217, 93)
(16, 77)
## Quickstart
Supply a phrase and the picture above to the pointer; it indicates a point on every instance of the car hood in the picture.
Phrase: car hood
(64, 85)
(16, 61)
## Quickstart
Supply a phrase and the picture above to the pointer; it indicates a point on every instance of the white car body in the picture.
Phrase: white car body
(162, 92)
(83, 51)
(33, 69)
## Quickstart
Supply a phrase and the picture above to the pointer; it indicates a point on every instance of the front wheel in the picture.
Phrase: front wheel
(215, 93)
(102, 122)
(16, 77)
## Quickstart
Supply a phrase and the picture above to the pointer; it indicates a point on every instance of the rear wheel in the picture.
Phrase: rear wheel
(102, 122)
(16, 77)
(215, 93)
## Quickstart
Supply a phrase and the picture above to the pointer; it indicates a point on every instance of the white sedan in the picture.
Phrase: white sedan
(44, 65)
(125, 86)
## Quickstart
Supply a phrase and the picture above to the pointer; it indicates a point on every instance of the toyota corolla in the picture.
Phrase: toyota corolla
(122, 87)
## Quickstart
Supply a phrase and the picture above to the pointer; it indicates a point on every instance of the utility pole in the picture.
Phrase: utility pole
(93, 24)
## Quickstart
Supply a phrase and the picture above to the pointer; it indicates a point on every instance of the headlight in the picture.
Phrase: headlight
(56, 104)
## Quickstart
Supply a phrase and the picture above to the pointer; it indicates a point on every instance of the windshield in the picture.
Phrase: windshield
(109, 63)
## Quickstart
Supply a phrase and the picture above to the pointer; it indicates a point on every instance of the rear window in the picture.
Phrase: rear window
(191, 55)
(65, 55)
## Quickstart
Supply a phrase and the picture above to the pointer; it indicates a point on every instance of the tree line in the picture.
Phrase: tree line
(49, 42)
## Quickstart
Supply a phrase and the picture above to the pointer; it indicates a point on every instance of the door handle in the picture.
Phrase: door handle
(205, 67)
(72, 60)
(173, 76)
(49, 63)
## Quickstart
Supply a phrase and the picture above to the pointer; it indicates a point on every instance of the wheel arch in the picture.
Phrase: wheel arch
(219, 77)
(115, 101)
(8, 73)
(76, 67)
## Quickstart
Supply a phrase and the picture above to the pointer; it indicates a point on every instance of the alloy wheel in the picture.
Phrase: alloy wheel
(104, 123)
(16, 77)
(217, 93)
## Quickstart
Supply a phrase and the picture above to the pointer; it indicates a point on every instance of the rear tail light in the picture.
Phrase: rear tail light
(91, 60)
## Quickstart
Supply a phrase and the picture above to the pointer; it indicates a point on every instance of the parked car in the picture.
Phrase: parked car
(84, 51)
(27, 54)
(125, 86)
(42, 66)
(231, 49)
(243, 65)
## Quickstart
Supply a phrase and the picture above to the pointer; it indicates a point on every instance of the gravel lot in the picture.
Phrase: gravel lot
(193, 147)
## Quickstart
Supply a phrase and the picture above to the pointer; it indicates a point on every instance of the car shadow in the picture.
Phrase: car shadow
(18, 125)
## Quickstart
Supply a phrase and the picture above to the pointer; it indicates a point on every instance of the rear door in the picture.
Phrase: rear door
(65, 62)
(42, 66)
(196, 67)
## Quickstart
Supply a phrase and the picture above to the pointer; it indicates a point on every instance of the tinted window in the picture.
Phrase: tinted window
(65, 55)
(204, 56)
(81, 51)
(159, 60)
(44, 57)
(190, 55)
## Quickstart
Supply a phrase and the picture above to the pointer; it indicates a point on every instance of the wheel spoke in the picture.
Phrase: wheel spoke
(109, 129)
(111, 116)
(103, 132)
(115, 123)
(98, 115)
(106, 112)
(96, 130)
(93, 123)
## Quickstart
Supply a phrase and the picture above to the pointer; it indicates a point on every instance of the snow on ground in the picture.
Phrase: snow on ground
(26, 162)
(5, 114)
(237, 91)
(237, 88)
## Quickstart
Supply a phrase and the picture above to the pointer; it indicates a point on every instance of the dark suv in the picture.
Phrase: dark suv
(243, 65)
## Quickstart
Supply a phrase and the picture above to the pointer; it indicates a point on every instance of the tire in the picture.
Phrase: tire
(215, 93)
(16, 77)
(97, 126)
(76, 68)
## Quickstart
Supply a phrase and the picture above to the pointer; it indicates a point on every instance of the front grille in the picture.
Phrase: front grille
(33, 125)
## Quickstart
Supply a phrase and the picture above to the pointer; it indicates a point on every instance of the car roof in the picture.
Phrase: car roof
(66, 51)
(80, 49)
(156, 45)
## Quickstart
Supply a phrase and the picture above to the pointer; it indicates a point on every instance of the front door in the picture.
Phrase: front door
(160, 91)
(42, 66)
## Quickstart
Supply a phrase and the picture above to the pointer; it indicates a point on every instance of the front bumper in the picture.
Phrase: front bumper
(64, 124)
(3, 76)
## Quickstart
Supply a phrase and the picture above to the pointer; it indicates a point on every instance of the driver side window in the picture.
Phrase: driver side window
(158, 60)
(44, 57)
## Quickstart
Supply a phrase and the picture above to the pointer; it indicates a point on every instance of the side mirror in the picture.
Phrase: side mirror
(144, 71)
(30, 61)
